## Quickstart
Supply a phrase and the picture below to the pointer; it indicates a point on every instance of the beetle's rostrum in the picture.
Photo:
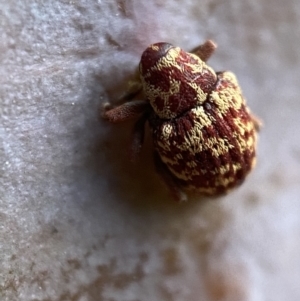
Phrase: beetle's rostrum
(204, 135)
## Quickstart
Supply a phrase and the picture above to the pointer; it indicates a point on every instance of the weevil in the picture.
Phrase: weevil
(204, 134)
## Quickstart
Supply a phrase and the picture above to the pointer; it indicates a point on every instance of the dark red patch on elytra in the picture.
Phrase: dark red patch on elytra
(182, 126)
(226, 127)
(159, 103)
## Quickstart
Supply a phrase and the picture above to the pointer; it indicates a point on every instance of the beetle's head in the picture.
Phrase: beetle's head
(174, 81)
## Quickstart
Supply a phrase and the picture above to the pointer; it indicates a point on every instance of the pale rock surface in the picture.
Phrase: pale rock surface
(80, 222)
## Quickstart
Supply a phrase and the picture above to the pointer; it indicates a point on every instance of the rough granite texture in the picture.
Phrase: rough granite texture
(80, 222)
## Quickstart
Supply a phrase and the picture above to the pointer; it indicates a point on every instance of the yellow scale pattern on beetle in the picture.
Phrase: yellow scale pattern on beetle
(194, 142)
(204, 135)
(153, 92)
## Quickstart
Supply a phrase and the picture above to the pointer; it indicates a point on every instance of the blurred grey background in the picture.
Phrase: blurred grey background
(80, 222)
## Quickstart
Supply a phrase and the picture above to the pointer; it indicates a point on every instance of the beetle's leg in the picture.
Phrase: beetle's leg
(134, 88)
(168, 178)
(138, 135)
(128, 110)
(205, 50)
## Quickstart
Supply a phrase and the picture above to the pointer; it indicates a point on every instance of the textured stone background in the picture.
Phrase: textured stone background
(77, 220)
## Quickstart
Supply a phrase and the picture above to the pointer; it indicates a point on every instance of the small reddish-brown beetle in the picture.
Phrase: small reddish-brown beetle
(204, 134)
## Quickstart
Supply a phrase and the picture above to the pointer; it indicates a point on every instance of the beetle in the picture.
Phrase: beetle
(204, 134)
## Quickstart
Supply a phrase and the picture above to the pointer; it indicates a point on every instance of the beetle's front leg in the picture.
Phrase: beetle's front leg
(205, 50)
(126, 111)
(134, 88)
(169, 180)
(126, 107)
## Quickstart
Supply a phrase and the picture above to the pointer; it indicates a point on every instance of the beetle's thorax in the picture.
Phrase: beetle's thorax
(174, 81)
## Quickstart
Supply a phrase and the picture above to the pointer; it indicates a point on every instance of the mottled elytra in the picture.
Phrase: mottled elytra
(204, 135)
